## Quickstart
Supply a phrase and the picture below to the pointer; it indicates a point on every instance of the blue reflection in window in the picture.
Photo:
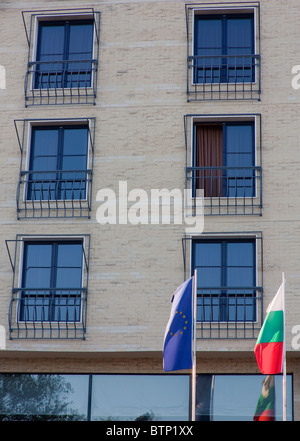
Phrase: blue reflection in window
(224, 48)
(58, 160)
(65, 51)
(51, 281)
(140, 398)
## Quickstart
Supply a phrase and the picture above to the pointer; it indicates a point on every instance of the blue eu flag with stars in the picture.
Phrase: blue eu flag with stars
(179, 330)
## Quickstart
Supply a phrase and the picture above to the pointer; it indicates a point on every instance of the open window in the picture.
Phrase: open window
(224, 159)
(223, 156)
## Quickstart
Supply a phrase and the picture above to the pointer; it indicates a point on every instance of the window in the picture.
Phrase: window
(51, 286)
(226, 275)
(56, 167)
(139, 397)
(224, 159)
(219, 397)
(64, 54)
(224, 48)
(58, 163)
(223, 51)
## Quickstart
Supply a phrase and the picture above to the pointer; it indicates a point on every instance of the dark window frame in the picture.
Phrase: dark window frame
(55, 95)
(226, 173)
(214, 301)
(61, 75)
(227, 64)
(56, 188)
(50, 297)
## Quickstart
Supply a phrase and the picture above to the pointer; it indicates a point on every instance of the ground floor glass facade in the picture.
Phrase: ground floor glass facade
(141, 397)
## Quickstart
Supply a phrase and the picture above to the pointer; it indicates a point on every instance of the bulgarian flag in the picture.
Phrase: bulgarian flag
(265, 409)
(269, 345)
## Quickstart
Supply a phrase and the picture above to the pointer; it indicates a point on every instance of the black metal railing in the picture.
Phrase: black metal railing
(227, 190)
(48, 313)
(61, 82)
(58, 193)
(229, 312)
(229, 77)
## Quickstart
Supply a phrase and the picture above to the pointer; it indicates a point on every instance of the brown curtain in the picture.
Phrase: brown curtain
(209, 153)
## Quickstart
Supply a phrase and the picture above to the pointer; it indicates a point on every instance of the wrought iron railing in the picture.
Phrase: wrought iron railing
(227, 190)
(61, 82)
(229, 312)
(58, 193)
(48, 313)
(218, 77)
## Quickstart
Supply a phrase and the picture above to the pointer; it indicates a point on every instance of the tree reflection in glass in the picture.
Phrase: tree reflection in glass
(25, 397)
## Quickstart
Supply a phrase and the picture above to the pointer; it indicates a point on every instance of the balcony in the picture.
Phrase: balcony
(63, 53)
(227, 190)
(48, 194)
(61, 82)
(231, 77)
(41, 313)
(229, 313)
(49, 311)
(55, 193)
(223, 51)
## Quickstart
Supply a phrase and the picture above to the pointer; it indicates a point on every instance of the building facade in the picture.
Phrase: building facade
(116, 116)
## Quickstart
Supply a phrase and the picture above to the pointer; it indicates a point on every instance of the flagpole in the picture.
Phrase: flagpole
(194, 347)
(284, 357)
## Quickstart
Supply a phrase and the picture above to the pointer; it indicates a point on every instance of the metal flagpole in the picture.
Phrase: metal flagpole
(284, 357)
(194, 347)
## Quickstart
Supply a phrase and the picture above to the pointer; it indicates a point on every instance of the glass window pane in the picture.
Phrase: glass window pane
(28, 397)
(140, 397)
(209, 277)
(69, 265)
(207, 254)
(208, 36)
(68, 278)
(239, 138)
(239, 36)
(240, 277)
(75, 141)
(240, 254)
(50, 42)
(37, 266)
(69, 255)
(235, 397)
(44, 149)
(81, 41)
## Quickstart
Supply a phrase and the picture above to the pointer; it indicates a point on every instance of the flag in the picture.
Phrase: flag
(269, 345)
(265, 409)
(179, 330)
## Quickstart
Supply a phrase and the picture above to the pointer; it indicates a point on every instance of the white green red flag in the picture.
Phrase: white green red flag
(269, 345)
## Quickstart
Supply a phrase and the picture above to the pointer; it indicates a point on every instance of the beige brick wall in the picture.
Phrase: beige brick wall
(140, 139)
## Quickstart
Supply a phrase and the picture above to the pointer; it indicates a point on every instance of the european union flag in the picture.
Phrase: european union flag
(179, 330)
